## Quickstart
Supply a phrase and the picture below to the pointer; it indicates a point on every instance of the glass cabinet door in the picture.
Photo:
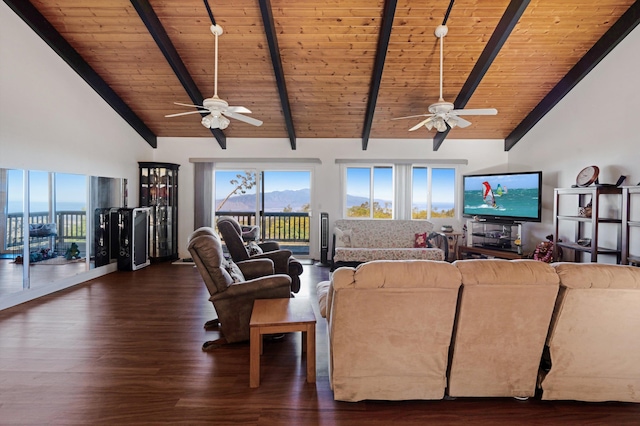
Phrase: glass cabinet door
(159, 190)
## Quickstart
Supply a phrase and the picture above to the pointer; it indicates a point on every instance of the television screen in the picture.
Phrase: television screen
(503, 196)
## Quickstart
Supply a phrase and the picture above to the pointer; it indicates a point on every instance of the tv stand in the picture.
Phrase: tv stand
(498, 234)
(469, 252)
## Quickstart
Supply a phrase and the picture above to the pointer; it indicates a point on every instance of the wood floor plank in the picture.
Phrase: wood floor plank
(126, 349)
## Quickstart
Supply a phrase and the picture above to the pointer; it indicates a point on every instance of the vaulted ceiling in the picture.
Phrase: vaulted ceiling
(332, 69)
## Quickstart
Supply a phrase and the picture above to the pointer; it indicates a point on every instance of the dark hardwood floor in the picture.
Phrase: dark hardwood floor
(126, 348)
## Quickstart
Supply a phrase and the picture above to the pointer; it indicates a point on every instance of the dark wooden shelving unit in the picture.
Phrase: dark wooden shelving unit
(630, 226)
(587, 225)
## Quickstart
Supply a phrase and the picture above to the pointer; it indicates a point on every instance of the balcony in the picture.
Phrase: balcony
(71, 227)
(289, 229)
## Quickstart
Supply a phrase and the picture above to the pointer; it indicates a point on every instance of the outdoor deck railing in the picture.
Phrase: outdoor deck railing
(71, 226)
(286, 227)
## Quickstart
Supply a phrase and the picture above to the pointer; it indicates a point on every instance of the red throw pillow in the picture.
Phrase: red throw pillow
(420, 240)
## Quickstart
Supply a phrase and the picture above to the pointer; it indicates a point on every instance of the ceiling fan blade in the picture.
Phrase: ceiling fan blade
(420, 124)
(188, 105)
(239, 109)
(186, 113)
(460, 122)
(412, 116)
(249, 120)
(483, 111)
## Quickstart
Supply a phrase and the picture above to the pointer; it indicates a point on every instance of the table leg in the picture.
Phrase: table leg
(311, 352)
(255, 345)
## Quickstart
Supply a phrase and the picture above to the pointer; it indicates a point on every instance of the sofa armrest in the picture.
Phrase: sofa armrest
(280, 259)
(256, 288)
(255, 268)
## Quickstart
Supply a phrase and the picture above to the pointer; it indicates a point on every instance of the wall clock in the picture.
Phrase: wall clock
(587, 176)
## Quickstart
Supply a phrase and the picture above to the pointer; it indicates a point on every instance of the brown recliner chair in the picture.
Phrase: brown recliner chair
(234, 287)
(283, 261)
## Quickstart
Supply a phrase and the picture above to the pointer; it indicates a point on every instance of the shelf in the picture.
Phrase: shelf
(588, 219)
(589, 190)
(587, 249)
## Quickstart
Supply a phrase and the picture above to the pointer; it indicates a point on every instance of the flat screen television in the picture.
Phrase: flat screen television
(503, 197)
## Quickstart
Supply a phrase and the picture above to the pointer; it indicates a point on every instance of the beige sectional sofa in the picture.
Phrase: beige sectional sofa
(357, 241)
(419, 329)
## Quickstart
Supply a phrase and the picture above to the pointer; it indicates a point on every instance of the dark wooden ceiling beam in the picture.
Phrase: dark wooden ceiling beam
(159, 34)
(508, 21)
(618, 31)
(54, 39)
(278, 70)
(378, 68)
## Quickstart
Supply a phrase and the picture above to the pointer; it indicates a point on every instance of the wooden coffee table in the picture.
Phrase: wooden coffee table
(273, 316)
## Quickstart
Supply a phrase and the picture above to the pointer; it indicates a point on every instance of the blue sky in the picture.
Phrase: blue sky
(274, 181)
(70, 188)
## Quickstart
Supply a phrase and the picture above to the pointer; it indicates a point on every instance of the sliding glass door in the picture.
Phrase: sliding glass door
(279, 201)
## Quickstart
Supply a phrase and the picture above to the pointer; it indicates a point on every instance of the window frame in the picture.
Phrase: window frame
(402, 187)
(371, 167)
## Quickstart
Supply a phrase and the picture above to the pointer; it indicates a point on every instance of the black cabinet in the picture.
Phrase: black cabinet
(159, 191)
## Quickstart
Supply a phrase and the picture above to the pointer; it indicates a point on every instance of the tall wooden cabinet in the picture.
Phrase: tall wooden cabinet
(630, 225)
(159, 191)
(588, 230)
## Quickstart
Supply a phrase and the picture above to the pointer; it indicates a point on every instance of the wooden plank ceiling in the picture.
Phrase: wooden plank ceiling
(328, 52)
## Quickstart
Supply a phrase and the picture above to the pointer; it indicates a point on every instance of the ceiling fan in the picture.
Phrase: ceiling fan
(216, 108)
(442, 113)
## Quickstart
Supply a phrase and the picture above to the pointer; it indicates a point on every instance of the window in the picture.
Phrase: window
(403, 191)
(433, 192)
(369, 192)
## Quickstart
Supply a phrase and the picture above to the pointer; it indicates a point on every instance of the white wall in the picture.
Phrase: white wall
(486, 155)
(595, 124)
(51, 120)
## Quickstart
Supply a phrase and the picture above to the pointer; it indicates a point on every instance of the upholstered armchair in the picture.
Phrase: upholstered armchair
(233, 287)
(283, 261)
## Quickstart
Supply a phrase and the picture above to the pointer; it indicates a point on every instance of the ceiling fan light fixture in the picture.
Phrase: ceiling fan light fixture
(429, 124)
(452, 122)
(215, 122)
(439, 124)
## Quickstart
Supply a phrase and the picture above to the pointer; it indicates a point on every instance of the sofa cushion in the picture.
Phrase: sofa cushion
(504, 312)
(343, 237)
(594, 340)
(343, 254)
(253, 248)
(390, 326)
(233, 270)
